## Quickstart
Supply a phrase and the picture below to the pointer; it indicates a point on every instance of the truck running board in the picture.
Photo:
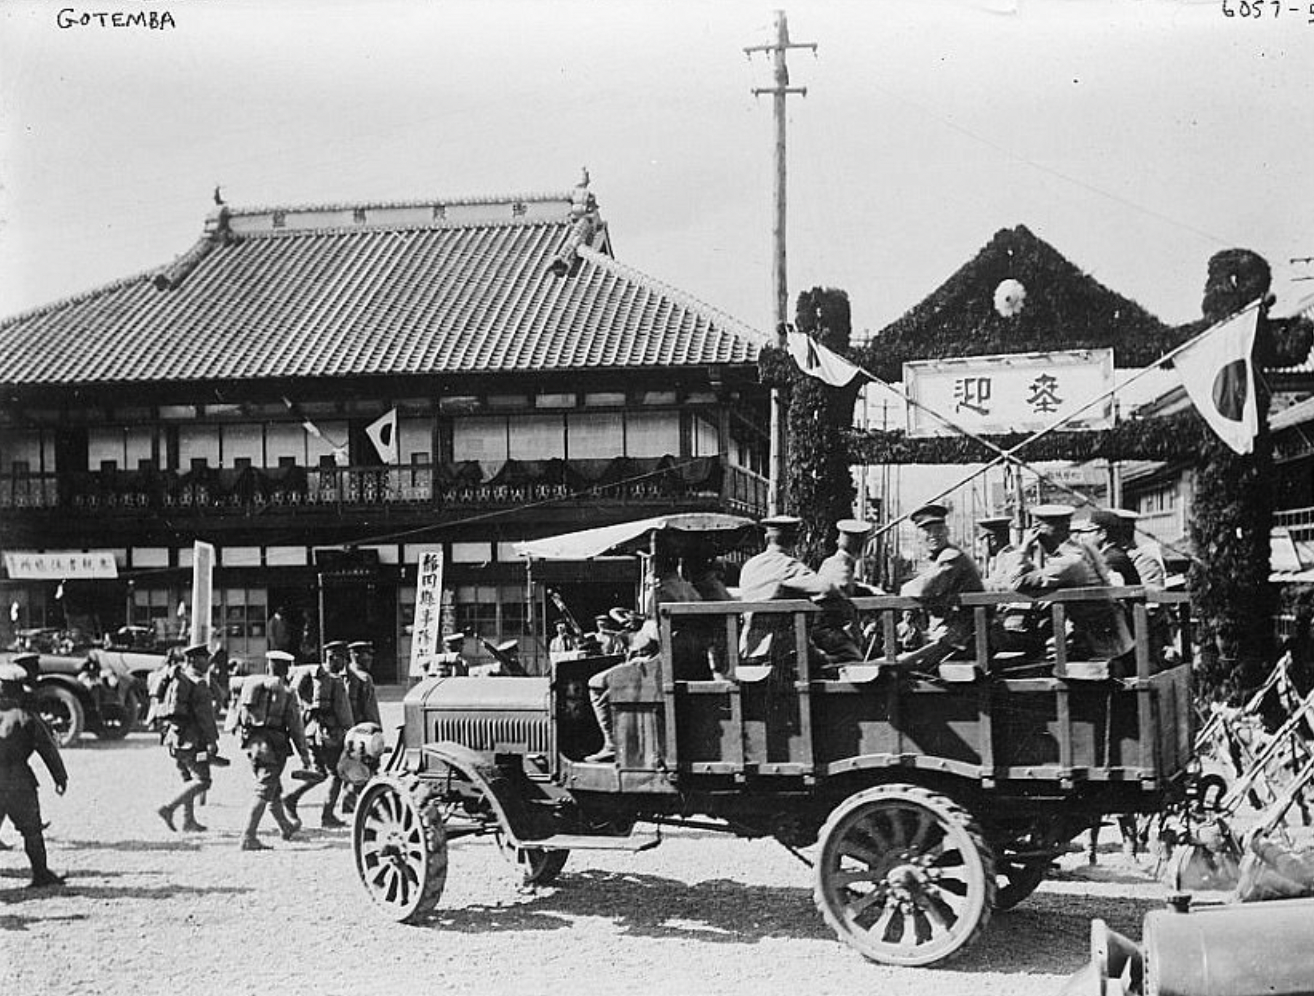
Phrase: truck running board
(591, 842)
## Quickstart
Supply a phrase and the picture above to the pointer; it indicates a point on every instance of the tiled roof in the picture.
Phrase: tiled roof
(414, 288)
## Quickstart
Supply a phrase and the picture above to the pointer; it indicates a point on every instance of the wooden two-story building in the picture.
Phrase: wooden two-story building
(538, 386)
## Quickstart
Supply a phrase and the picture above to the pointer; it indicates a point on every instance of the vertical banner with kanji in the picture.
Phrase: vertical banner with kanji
(202, 584)
(428, 610)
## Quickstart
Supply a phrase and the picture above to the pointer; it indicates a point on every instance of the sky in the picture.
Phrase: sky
(1138, 137)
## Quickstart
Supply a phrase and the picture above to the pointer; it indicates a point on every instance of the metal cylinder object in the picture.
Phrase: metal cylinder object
(1233, 950)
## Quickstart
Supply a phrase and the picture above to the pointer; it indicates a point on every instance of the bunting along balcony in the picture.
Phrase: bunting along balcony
(292, 489)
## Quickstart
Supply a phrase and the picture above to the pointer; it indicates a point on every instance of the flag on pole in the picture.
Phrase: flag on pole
(816, 360)
(1218, 373)
(383, 434)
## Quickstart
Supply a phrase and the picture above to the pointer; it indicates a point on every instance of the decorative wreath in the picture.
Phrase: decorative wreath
(1010, 296)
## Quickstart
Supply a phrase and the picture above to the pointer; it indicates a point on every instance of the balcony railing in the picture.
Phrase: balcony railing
(1298, 521)
(515, 482)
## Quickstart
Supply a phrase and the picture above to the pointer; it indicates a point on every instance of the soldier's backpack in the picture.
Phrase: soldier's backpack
(259, 705)
(159, 680)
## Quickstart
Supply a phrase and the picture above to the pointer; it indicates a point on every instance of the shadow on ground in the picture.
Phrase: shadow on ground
(72, 888)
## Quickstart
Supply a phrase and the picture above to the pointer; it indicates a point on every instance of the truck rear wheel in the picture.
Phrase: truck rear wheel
(400, 847)
(904, 875)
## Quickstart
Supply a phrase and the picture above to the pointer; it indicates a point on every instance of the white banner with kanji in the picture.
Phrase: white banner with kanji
(428, 626)
(1010, 392)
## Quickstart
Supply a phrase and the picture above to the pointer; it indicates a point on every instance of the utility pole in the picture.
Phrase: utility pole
(780, 285)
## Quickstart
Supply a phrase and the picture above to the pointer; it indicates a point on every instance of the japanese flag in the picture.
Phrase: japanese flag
(1218, 372)
(816, 360)
(383, 434)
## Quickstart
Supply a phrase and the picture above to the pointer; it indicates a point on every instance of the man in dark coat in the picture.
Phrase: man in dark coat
(22, 733)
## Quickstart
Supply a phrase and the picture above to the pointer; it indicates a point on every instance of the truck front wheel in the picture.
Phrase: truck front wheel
(400, 847)
(904, 875)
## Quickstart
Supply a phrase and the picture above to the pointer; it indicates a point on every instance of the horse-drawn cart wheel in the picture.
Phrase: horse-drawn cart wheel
(400, 847)
(904, 875)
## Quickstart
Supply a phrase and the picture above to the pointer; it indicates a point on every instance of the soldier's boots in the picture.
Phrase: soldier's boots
(165, 813)
(191, 826)
(254, 844)
(42, 877)
(328, 820)
(45, 879)
(290, 807)
(287, 827)
(602, 710)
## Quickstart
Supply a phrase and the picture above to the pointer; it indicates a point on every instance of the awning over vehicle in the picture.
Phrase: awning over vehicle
(627, 537)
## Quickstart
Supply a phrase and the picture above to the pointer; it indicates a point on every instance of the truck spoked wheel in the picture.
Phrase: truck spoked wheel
(400, 847)
(904, 875)
(535, 865)
(1022, 861)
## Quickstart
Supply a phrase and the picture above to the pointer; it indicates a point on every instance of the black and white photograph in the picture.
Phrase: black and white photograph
(721, 497)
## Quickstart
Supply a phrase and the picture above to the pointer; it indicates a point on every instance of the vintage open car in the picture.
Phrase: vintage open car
(922, 801)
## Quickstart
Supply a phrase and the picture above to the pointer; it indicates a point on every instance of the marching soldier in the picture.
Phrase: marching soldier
(190, 733)
(22, 733)
(360, 683)
(326, 711)
(269, 725)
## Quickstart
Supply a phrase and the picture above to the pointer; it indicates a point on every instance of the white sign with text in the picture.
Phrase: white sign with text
(1010, 392)
(428, 625)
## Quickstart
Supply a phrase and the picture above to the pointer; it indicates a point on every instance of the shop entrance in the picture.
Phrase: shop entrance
(355, 605)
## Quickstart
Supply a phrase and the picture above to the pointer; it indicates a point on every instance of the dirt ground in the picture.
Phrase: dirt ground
(146, 911)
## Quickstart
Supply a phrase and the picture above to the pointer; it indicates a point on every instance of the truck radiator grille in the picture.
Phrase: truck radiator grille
(490, 733)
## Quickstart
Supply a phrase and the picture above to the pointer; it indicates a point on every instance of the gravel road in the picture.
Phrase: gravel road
(149, 912)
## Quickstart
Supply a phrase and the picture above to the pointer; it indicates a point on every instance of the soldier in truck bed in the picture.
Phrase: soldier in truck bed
(950, 573)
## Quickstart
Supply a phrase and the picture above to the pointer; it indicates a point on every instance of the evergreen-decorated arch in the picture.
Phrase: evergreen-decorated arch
(1061, 308)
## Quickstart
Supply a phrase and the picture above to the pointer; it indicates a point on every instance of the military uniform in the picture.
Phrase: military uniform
(1100, 624)
(951, 573)
(776, 574)
(361, 691)
(269, 727)
(190, 734)
(22, 734)
(326, 711)
(951, 628)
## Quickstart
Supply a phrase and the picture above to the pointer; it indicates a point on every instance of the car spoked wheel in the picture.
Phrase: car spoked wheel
(400, 847)
(62, 713)
(904, 875)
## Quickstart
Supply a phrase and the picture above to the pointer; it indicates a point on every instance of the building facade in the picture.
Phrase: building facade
(325, 393)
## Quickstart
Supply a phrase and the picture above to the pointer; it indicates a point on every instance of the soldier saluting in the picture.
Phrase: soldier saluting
(22, 733)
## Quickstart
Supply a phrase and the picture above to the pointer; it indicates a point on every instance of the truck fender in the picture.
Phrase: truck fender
(505, 795)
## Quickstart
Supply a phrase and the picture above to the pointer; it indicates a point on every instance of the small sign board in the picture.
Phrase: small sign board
(202, 587)
(428, 625)
(60, 565)
(1010, 392)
